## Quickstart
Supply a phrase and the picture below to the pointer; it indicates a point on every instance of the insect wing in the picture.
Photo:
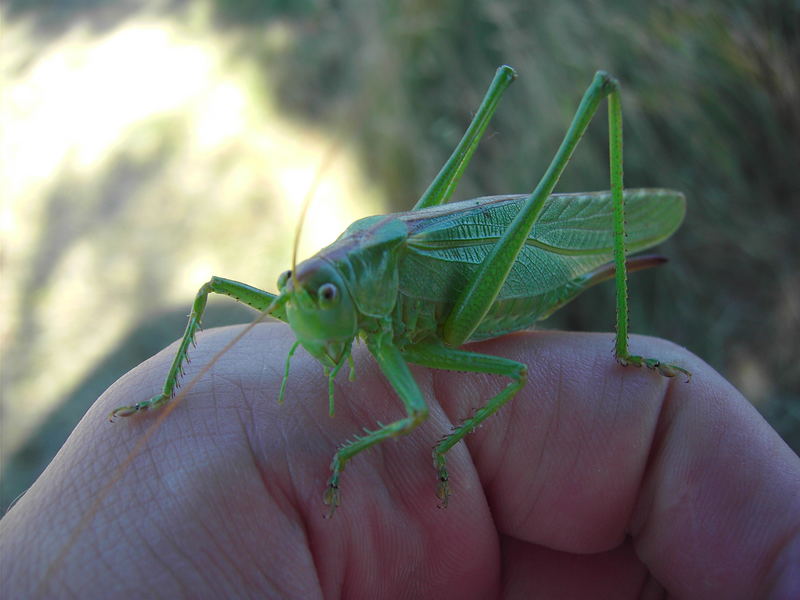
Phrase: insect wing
(572, 237)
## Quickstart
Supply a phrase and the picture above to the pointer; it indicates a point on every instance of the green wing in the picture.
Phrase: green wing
(572, 237)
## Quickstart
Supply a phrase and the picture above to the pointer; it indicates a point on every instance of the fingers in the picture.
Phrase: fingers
(591, 452)
(590, 457)
(537, 572)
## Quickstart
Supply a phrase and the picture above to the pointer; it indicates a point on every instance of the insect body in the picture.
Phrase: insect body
(416, 286)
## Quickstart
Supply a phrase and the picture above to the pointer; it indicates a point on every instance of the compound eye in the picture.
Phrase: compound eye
(328, 295)
(283, 278)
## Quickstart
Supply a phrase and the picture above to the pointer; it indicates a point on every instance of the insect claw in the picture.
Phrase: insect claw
(443, 493)
(443, 488)
(332, 497)
(664, 369)
(123, 411)
(673, 370)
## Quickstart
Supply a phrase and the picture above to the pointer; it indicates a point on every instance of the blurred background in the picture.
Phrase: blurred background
(148, 145)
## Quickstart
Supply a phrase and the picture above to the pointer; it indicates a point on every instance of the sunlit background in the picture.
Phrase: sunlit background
(148, 145)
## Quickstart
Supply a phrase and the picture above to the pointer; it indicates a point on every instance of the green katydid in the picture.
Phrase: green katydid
(416, 286)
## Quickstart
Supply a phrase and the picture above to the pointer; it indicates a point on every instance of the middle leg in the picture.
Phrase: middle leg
(438, 356)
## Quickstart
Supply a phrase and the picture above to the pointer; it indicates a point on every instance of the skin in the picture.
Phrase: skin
(595, 481)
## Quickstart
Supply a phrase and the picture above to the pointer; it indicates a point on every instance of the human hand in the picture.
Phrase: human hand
(595, 481)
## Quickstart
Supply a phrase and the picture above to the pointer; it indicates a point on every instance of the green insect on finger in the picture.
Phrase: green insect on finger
(416, 286)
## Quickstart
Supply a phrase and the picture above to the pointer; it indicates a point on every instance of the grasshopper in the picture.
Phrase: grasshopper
(416, 286)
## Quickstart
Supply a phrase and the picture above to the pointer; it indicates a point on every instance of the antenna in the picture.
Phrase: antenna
(324, 165)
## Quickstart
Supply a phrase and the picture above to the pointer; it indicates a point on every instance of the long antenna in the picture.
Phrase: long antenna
(325, 163)
(327, 160)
